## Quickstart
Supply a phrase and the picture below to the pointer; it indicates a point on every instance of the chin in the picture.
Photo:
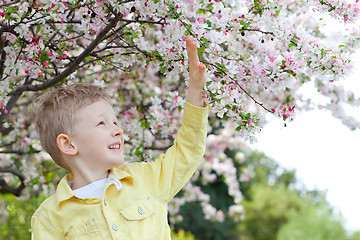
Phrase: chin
(119, 162)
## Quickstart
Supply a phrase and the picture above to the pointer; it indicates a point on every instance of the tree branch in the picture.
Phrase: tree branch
(72, 67)
(5, 188)
(3, 56)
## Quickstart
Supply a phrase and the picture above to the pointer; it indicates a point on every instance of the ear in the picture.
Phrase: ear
(65, 146)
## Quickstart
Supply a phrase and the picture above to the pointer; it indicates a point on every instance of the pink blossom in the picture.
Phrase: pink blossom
(200, 20)
(285, 115)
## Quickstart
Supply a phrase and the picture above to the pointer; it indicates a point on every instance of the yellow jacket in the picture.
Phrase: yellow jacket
(139, 210)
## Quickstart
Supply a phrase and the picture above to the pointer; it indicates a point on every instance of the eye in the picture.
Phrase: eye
(116, 124)
(101, 123)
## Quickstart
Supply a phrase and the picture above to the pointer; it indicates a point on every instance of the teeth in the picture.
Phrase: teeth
(115, 146)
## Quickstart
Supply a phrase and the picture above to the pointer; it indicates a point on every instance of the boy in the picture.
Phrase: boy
(103, 198)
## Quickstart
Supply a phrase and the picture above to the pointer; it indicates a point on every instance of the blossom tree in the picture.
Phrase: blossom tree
(258, 55)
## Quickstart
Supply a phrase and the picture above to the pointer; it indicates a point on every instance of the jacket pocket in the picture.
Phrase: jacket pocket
(141, 219)
(87, 230)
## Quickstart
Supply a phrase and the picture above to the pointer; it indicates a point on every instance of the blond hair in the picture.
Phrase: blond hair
(57, 110)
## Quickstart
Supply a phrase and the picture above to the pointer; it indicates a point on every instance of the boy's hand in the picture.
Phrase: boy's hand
(197, 73)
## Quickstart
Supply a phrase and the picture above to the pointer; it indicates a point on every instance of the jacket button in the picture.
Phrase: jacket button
(115, 227)
(141, 211)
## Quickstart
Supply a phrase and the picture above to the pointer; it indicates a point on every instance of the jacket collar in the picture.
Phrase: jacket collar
(64, 191)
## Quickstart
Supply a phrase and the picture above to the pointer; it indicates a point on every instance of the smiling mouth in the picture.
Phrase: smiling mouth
(115, 146)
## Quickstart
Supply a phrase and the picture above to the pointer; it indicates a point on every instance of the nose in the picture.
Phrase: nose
(118, 131)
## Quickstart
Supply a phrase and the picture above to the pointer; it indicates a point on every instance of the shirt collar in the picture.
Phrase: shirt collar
(64, 192)
(121, 175)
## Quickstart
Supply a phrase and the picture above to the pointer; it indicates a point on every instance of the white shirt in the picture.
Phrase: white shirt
(96, 189)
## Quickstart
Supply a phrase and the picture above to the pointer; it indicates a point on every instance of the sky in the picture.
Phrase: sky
(324, 153)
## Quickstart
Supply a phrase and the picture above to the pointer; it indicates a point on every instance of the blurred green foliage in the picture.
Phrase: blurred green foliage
(15, 215)
(181, 235)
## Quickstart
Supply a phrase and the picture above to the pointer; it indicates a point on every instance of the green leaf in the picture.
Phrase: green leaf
(205, 42)
(38, 28)
(10, 9)
(99, 62)
(200, 50)
(332, 9)
(322, 52)
(138, 152)
(220, 65)
(292, 45)
(43, 57)
(162, 70)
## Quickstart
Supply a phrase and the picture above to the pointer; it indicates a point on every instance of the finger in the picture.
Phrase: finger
(192, 52)
(202, 70)
(202, 67)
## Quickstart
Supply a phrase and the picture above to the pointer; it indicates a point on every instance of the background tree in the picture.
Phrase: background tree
(258, 53)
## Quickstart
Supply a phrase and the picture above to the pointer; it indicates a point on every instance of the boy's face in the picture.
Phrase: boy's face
(97, 137)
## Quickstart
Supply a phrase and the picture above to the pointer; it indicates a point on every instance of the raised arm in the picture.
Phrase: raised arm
(197, 72)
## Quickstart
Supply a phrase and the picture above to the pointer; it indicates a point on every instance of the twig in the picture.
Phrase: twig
(238, 84)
